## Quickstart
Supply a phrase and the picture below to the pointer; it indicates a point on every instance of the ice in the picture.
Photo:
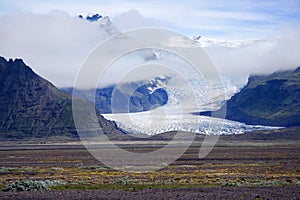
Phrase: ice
(177, 115)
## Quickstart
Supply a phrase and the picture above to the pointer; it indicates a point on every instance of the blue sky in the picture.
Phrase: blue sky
(230, 19)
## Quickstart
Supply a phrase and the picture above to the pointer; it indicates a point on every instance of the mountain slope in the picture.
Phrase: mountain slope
(268, 100)
(141, 96)
(31, 107)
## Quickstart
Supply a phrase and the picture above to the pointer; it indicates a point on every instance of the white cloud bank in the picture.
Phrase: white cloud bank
(55, 45)
(260, 57)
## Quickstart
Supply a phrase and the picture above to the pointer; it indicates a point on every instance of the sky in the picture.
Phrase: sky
(50, 37)
(230, 19)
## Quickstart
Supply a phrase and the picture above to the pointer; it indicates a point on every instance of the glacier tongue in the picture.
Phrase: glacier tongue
(176, 114)
(152, 122)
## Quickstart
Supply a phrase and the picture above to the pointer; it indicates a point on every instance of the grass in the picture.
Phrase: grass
(123, 181)
(17, 169)
(92, 167)
(124, 187)
(268, 183)
(225, 167)
(31, 185)
(205, 175)
(5, 169)
(231, 184)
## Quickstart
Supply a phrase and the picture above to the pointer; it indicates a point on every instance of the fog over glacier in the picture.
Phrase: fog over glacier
(55, 44)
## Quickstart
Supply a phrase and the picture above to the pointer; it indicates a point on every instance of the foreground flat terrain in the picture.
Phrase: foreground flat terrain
(270, 192)
(232, 170)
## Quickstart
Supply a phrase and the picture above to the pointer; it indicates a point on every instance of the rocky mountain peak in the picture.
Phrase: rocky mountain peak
(32, 107)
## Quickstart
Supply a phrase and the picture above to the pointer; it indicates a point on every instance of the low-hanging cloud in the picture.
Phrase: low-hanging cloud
(56, 44)
(53, 44)
(261, 57)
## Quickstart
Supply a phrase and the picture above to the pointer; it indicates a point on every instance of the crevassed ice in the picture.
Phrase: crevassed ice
(174, 117)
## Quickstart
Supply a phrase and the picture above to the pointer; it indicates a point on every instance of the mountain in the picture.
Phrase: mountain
(272, 100)
(103, 22)
(176, 115)
(91, 18)
(141, 96)
(211, 42)
(31, 107)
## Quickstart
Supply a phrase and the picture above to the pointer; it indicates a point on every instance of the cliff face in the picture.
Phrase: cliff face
(31, 107)
(268, 100)
(146, 95)
(271, 100)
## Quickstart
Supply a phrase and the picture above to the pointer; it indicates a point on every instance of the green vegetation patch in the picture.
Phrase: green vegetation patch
(31, 185)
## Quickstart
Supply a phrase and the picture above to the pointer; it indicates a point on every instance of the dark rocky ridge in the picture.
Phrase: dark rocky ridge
(137, 94)
(31, 107)
(272, 100)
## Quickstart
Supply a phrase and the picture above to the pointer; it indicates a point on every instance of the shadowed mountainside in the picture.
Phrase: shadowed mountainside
(31, 107)
(141, 96)
(272, 100)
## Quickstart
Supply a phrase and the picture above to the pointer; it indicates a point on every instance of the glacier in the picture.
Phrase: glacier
(150, 123)
(188, 92)
(177, 115)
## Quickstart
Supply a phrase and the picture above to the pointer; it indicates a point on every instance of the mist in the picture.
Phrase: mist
(56, 44)
(261, 57)
(53, 44)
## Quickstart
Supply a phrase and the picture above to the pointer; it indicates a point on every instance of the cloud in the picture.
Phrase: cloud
(53, 44)
(132, 19)
(222, 19)
(260, 57)
(56, 44)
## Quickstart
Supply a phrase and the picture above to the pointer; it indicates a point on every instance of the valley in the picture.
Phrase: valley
(150, 100)
(243, 167)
